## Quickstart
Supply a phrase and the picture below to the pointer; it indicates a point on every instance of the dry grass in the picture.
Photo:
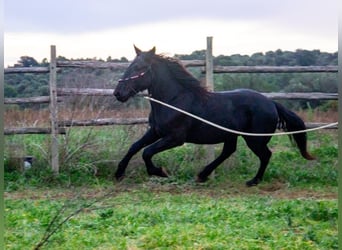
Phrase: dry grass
(319, 116)
(40, 118)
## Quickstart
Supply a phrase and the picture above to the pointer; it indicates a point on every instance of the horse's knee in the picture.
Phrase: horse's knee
(147, 154)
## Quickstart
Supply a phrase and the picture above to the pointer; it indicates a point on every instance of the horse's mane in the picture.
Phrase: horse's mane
(182, 75)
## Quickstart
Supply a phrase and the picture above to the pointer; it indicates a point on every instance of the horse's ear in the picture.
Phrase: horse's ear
(152, 51)
(137, 50)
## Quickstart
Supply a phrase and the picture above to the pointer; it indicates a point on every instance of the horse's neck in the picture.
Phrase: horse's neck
(165, 90)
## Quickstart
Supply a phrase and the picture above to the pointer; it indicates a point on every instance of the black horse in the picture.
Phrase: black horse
(243, 110)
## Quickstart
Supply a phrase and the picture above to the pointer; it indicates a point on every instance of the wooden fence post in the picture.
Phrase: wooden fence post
(53, 110)
(209, 65)
(209, 82)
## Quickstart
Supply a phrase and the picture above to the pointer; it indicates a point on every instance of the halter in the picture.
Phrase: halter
(135, 76)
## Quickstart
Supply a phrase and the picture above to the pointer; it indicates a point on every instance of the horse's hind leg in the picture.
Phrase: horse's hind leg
(229, 147)
(259, 147)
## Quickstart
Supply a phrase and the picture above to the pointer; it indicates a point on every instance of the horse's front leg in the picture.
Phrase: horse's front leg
(157, 147)
(148, 138)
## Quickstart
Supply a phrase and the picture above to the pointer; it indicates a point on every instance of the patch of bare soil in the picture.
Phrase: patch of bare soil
(282, 191)
(277, 190)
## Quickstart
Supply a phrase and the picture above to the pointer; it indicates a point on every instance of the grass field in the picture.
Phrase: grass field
(144, 217)
(294, 208)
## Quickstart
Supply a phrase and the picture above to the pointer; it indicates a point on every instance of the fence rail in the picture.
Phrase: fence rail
(31, 130)
(107, 122)
(116, 65)
(186, 63)
(275, 69)
(34, 70)
(109, 92)
(272, 95)
(36, 99)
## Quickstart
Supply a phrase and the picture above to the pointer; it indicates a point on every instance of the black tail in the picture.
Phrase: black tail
(289, 121)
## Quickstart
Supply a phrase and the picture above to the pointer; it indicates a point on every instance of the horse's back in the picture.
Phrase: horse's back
(260, 113)
(242, 93)
(246, 99)
(242, 109)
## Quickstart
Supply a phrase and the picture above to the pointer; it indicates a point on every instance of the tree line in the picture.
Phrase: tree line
(27, 85)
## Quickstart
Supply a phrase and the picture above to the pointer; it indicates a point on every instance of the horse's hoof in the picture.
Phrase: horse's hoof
(252, 183)
(119, 178)
(201, 180)
(160, 172)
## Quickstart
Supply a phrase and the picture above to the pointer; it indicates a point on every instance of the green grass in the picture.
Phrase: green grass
(295, 207)
(150, 219)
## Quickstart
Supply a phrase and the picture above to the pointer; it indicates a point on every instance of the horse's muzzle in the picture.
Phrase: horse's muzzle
(118, 96)
(121, 97)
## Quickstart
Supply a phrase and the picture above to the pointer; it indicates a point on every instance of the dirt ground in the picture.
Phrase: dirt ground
(275, 190)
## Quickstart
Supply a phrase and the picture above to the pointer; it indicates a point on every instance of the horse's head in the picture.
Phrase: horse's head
(137, 77)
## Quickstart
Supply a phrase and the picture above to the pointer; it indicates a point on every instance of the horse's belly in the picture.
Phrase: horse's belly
(207, 136)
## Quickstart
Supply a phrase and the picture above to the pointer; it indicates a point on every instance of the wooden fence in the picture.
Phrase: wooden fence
(207, 66)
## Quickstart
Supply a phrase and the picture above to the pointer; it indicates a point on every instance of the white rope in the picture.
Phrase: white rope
(235, 131)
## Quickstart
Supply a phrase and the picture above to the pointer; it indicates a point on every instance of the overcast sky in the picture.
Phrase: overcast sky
(102, 28)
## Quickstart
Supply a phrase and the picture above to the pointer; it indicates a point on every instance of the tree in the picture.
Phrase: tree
(10, 91)
(196, 55)
(305, 57)
(44, 63)
(27, 61)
